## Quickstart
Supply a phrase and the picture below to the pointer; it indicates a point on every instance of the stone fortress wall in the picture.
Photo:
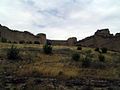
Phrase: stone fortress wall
(17, 36)
(101, 38)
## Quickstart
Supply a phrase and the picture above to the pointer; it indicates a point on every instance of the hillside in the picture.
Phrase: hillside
(102, 38)
(35, 70)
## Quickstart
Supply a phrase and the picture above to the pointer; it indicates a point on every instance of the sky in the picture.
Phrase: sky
(61, 19)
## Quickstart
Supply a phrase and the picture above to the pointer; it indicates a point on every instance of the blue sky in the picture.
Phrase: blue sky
(61, 19)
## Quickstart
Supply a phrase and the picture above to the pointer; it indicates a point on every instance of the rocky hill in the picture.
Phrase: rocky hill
(102, 38)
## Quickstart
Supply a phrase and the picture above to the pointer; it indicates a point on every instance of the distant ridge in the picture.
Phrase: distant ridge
(101, 38)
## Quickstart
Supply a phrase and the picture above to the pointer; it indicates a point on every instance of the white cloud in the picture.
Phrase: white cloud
(60, 19)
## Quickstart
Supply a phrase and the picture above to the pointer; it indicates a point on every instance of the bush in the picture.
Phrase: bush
(104, 50)
(89, 54)
(29, 42)
(21, 42)
(79, 48)
(76, 57)
(86, 62)
(13, 53)
(36, 42)
(101, 58)
(9, 41)
(97, 49)
(15, 42)
(47, 49)
(3, 40)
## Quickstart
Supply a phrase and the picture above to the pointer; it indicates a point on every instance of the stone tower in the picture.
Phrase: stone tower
(42, 38)
(71, 41)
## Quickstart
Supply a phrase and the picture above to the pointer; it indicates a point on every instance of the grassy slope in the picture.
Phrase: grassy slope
(35, 63)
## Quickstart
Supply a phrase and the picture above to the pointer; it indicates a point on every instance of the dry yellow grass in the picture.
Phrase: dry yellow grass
(57, 64)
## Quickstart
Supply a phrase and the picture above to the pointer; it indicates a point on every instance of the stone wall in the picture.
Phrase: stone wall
(69, 42)
(17, 36)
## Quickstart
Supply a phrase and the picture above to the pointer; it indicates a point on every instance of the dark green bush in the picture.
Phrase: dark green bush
(89, 54)
(3, 40)
(9, 41)
(13, 53)
(97, 49)
(36, 42)
(79, 48)
(29, 42)
(47, 49)
(104, 50)
(76, 56)
(86, 62)
(21, 42)
(15, 42)
(101, 58)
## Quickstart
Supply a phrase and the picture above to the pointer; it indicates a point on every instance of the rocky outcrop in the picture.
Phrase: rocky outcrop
(102, 38)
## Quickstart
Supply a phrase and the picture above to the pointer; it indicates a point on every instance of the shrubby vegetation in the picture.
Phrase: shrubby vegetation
(79, 48)
(36, 42)
(104, 50)
(97, 49)
(86, 62)
(29, 42)
(76, 57)
(47, 49)
(101, 58)
(21, 42)
(3, 40)
(13, 53)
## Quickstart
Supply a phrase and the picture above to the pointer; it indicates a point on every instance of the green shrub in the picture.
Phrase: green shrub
(89, 54)
(21, 42)
(36, 42)
(9, 41)
(29, 42)
(47, 49)
(86, 62)
(15, 42)
(101, 58)
(76, 56)
(104, 50)
(3, 40)
(97, 49)
(13, 53)
(79, 48)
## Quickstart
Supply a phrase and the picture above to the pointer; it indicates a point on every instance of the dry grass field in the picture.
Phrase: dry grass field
(35, 63)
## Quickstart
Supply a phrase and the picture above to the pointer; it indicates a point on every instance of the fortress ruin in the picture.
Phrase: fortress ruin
(101, 38)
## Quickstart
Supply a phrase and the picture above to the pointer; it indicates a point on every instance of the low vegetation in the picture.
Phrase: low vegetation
(76, 57)
(101, 58)
(104, 50)
(33, 61)
(13, 53)
(79, 48)
(47, 49)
